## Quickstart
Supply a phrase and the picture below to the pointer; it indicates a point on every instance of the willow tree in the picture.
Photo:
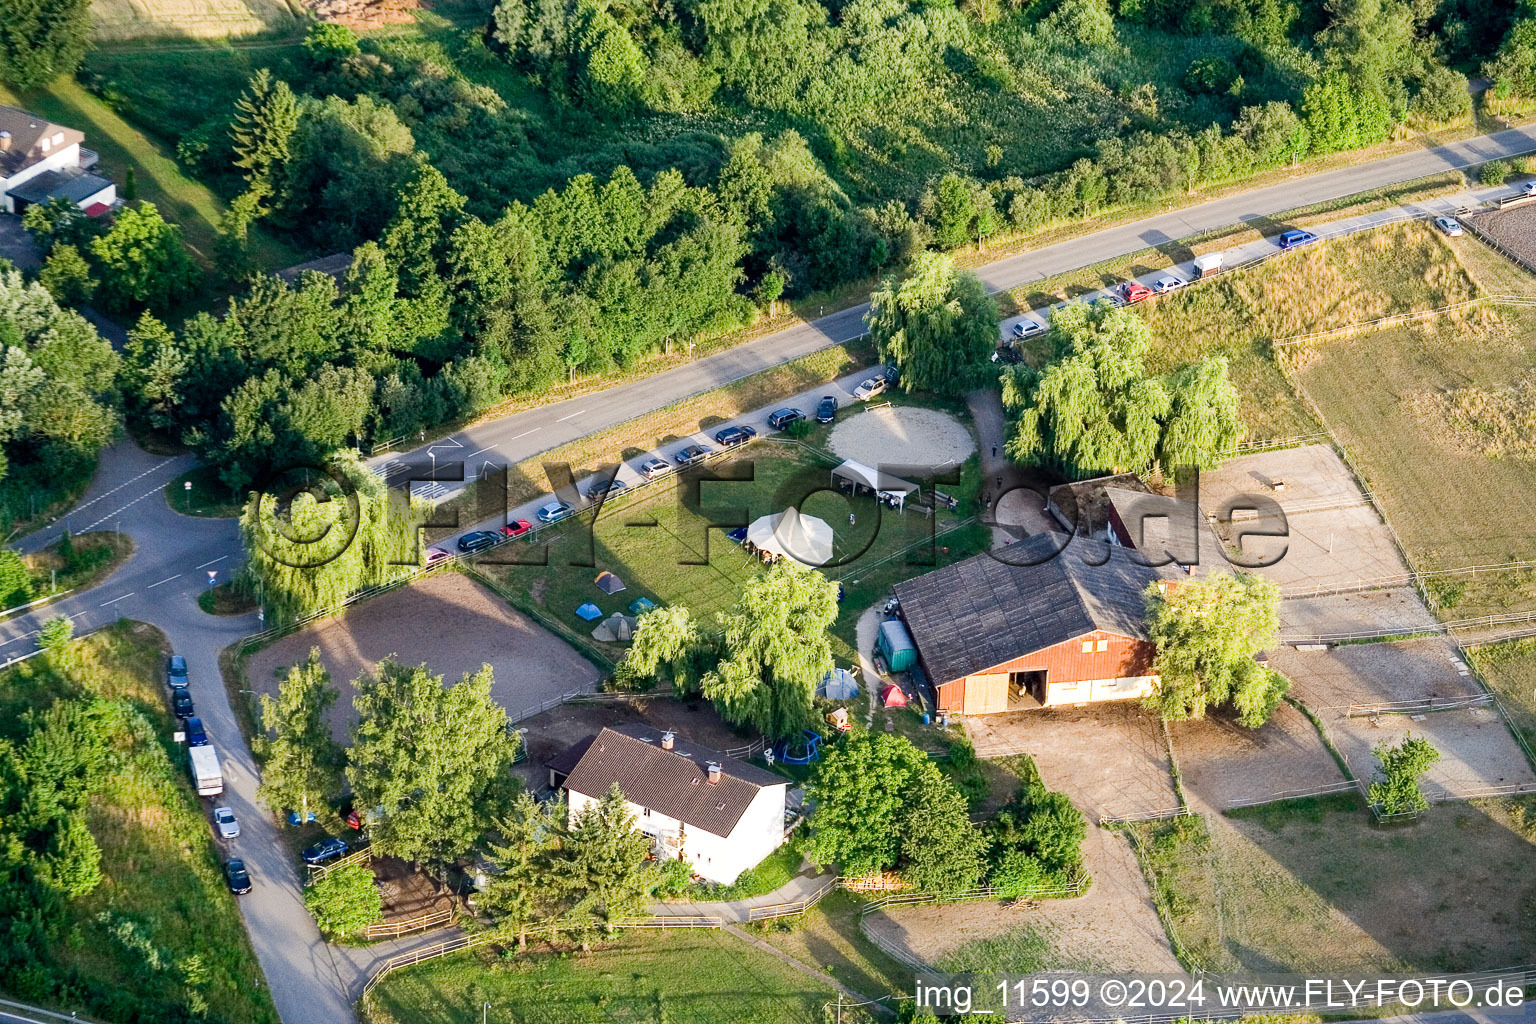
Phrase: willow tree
(1205, 419)
(666, 649)
(339, 534)
(937, 325)
(1207, 632)
(775, 650)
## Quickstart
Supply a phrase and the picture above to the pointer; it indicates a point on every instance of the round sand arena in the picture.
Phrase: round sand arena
(900, 435)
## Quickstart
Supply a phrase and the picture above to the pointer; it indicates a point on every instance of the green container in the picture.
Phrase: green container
(896, 646)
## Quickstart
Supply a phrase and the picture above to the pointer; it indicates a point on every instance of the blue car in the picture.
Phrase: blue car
(326, 849)
(1295, 237)
(732, 436)
(196, 735)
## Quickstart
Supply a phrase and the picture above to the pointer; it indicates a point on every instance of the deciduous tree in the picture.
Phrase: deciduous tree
(1396, 790)
(1207, 632)
(665, 649)
(345, 900)
(936, 324)
(302, 761)
(40, 40)
(144, 264)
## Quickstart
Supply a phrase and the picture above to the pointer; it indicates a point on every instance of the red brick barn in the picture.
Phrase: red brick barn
(996, 637)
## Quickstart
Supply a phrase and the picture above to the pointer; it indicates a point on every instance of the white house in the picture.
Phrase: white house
(40, 160)
(720, 815)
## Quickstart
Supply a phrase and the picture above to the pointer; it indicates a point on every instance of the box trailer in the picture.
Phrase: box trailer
(896, 646)
(1208, 264)
(206, 775)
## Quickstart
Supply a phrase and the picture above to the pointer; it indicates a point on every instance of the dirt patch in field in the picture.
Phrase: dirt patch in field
(1224, 763)
(903, 435)
(1113, 926)
(409, 893)
(448, 623)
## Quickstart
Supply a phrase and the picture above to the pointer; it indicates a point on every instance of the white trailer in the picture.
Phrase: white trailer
(1208, 264)
(206, 775)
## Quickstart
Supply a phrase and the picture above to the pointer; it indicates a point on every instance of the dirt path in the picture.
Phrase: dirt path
(1113, 926)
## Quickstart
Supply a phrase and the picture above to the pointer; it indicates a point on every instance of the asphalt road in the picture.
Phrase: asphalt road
(512, 439)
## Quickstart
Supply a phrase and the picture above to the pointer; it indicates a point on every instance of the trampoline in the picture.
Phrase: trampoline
(807, 750)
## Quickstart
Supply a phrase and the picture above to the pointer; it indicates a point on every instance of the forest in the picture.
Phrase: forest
(549, 189)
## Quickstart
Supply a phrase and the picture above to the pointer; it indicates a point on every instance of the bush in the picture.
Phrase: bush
(345, 901)
(15, 582)
(672, 878)
(1396, 790)
(1494, 172)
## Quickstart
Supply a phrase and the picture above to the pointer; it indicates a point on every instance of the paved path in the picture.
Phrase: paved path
(802, 887)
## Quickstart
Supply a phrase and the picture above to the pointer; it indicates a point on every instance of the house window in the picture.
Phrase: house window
(1087, 646)
(1103, 645)
(58, 138)
(645, 812)
(47, 145)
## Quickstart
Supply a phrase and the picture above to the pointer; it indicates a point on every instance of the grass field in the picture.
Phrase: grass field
(829, 937)
(1423, 412)
(1024, 950)
(1510, 670)
(647, 539)
(160, 179)
(117, 20)
(1314, 886)
(96, 556)
(684, 977)
(160, 871)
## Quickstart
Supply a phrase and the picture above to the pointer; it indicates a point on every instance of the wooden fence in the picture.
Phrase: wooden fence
(1419, 706)
(1109, 821)
(794, 908)
(666, 921)
(986, 892)
(319, 871)
(426, 922)
(418, 956)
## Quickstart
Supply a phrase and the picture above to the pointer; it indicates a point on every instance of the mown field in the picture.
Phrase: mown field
(117, 20)
(651, 538)
(161, 924)
(1510, 670)
(1432, 417)
(1315, 886)
(686, 977)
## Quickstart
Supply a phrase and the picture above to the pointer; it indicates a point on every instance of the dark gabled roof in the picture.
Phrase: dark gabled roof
(673, 782)
(24, 147)
(564, 762)
(59, 185)
(982, 612)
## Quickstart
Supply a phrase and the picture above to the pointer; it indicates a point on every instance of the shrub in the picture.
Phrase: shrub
(672, 878)
(15, 582)
(1396, 790)
(345, 901)
(1494, 172)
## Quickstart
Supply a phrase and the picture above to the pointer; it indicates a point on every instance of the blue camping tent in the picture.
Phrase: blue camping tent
(838, 685)
(590, 611)
(641, 605)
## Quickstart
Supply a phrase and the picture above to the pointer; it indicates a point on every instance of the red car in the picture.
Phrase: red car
(1134, 291)
(516, 529)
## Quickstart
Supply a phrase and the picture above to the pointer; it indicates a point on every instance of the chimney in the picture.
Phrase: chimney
(667, 741)
(714, 773)
(5, 142)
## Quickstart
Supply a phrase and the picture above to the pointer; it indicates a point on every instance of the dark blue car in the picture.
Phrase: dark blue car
(324, 850)
(196, 736)
(1296, 237)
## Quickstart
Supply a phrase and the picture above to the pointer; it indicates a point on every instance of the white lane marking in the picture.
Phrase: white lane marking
(119, 511)
(125, 483)
(117, 599)
(168, 579)
(480, 452)
(207, 564)
(572, 416)
(525, 433)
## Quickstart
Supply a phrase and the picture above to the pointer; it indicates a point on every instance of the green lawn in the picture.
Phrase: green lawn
(1510, 669)
(829, 937)
(96, 556)
(160, 179)
(160, 871)
(684, 977)
(647, 538)
(1315, 886)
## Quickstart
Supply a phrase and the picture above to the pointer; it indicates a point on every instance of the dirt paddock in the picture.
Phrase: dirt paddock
(1224, 764)
(448, 623)
(902, 435)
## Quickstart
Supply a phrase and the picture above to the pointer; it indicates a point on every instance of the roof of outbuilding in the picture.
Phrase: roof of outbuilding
(27, 132)
(59, 185)
(673, 782)
(982, 612)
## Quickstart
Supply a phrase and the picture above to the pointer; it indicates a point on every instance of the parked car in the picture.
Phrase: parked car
(826, 411)
(1528, 189)
(606, 489)
(652, 468)
(326, 849)
(555, 511)
(181, 703)
(868, 389)
(238, 878)
(693, 453)
(1295, 237)
(295, 820)
(730, 437)
(224, 821)
(176, 671)
(477, 540)
(1450, 225)
(1134, 291)
(1164, 285)
(517, 528)
(783, 419)
(436, 554)
(1027, 328)
(197, 736)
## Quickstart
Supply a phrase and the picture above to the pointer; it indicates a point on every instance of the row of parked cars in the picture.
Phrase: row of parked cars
(225, 825)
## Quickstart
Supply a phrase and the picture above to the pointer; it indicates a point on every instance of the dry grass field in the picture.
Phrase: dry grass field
(120, 20)
(1314, 886)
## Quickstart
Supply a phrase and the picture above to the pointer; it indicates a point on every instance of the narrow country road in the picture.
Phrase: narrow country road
(311, 981)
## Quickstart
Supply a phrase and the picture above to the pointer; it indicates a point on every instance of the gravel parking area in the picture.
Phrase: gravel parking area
(1476, 748)
(447, 622)
(1224, 764)
(903, 435)
(1109, 758)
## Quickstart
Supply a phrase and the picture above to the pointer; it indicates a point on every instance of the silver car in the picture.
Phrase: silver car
(224, 821)
(1449, 225)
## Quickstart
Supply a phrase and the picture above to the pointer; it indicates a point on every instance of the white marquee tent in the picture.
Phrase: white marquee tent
(806, 539)
(886, 487)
